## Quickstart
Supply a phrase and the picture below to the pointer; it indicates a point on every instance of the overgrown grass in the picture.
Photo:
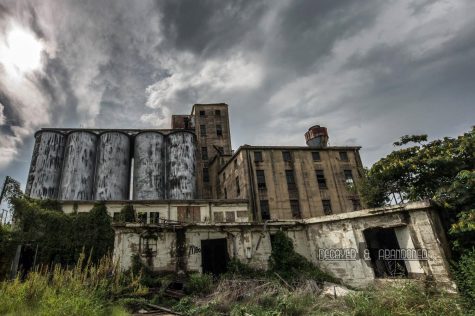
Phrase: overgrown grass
(86, 289)
(265, 298)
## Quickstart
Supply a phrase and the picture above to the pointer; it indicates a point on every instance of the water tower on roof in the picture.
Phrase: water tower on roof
(317, 136)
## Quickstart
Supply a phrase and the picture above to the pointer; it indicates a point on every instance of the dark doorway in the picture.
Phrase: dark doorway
(383, 247)
(214, 256)
(27, 258)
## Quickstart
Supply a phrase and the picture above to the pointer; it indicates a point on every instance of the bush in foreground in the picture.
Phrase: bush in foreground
(84, 290)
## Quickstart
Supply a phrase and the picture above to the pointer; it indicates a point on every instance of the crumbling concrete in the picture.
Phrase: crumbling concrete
(321, 240)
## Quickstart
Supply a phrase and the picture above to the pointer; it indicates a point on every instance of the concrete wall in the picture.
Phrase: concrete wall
(415, 226)
(168, 210)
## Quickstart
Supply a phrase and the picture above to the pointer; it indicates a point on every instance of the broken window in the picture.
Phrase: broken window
(235, 163)
(202, 113)
(295, 208)
(265, 214)
(225, 193)
(257, 156)
(286, 156)
(142, 217)
(116, 217)
(261, 179)
(343, 156)
(316, 156)
(327, 207)
(356, 204)
(154, 217)
(322, 182)
(219, 130)
(204, 153)
(238, 189)
(203, 130)
(230, 217)
(148, 245)
(217, 112)
(205, 175)
(348, 177)
(382, 241)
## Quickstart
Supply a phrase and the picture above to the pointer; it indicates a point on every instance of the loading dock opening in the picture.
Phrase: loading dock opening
(214, 256)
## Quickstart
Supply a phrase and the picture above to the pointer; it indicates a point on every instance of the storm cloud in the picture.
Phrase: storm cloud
(370, 71)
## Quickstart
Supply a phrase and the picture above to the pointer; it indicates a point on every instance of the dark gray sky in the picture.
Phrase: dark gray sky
(370, 71)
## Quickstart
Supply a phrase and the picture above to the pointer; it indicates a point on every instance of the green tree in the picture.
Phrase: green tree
(442, 170)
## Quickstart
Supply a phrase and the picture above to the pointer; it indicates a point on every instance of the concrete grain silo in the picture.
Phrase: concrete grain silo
(112, 174)
(79, 164)
(46, 163)
(181, 173)
(149, 166)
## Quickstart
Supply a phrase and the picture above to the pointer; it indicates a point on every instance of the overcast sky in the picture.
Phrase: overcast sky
(370, 71)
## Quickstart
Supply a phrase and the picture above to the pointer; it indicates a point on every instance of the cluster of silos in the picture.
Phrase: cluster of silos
(83, 165)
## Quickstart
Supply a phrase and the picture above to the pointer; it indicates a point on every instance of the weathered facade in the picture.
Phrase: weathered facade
(322, 240)
(199, 204)
(291, 182)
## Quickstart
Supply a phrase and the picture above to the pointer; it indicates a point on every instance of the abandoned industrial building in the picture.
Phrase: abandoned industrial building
(199, 203)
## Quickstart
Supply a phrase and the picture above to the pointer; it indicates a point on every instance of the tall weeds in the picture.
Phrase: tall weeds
(85, 289)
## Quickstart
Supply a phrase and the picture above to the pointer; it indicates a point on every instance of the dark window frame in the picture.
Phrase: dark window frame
(261, 179)
(295, 209)
(265, 211)
(344, 156)
(321, 180)
(238, 187)
(205, 174)
(258, 156)
(219, 130)
(204, 153)
(217, 112)
(316, 156)
(327, 207)
(203, 130)
(286, 156)
(202, 113)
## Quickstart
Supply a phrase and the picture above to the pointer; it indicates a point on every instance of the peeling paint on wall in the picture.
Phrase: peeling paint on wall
(79, 162)
(46, 164)
(112, 167)
(149, 166)
(181, 173)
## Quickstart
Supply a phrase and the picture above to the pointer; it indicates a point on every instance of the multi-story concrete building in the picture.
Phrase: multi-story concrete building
(198, 203)
(194, 160)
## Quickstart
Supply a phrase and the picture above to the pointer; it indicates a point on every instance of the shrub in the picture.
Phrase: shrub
(465, 277)
(84, 290)
(402, 299)
(291, 265)
(200, 284)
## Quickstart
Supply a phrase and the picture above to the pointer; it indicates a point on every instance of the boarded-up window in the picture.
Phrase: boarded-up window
(189, 214)
(230, 217)
(218, 217)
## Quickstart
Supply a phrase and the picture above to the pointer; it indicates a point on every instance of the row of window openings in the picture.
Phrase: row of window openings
(219, 130)
(216, 113)
(289, 176)
(294, 208)
(287, 156)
